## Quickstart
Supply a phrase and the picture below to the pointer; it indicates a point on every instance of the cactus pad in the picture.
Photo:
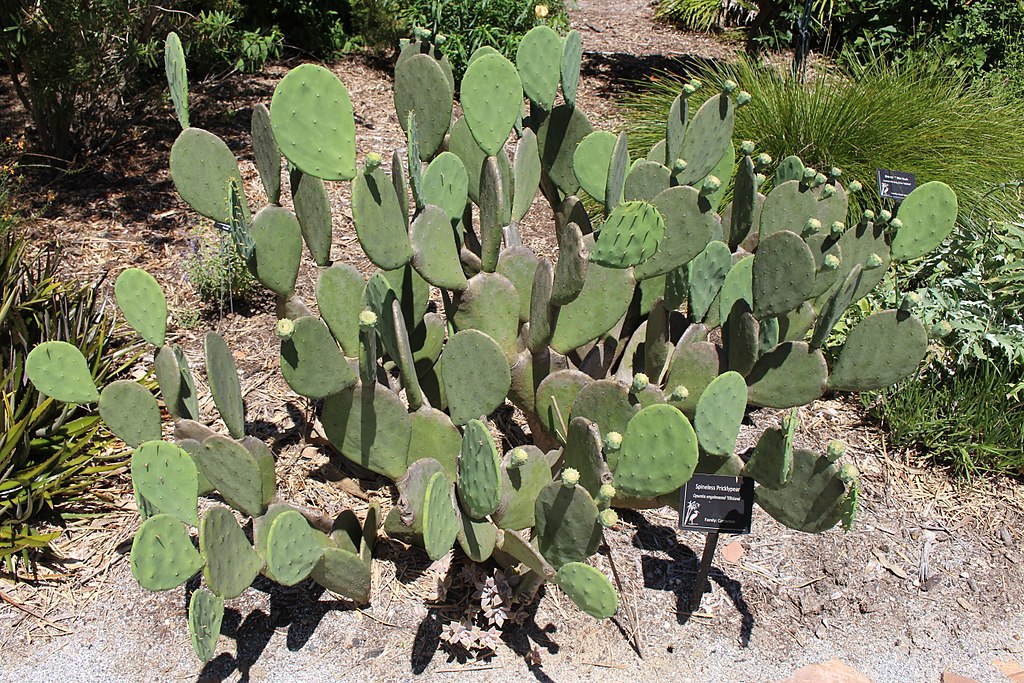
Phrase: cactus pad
(692, 366)
(224, 383)
(629, 236)
(527, 174)
(604, 299)
(559, 135)
(422, 89)
(205, 614)
(166, 477)
(787, 207)
(591, 161)
(234, 472)
(524, 482)
(708, 133)
(293, 548)
(434, 436)
(380, 220)
(278, 249)
(440, 520)
(519, 264)
(928, 215)
(445, 184)
(143, 304)
(479, 483)
(177, 76)
(566, 524)
(813, 499)
(231, 563)
(477, 538)
(344, 573)
(130, 412)
(339, 292)
(202, 168)
(588, 588)
(311, 362)
(492, 97)
(475, 374)
(539, 61)
(689, 226)
(163, 556)
(583, 453)
(707, 275)
(783, 274)
(60, 371)
(720, 412)
(556, 394)
(658, 453)
(266, 152)
(313, 209)
(880, 350)
(370, 426)
(791, 374)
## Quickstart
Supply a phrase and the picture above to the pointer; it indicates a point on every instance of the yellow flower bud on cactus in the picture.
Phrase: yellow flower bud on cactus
(520, 456)
(540, 11)
(285, 328)
(613, 441)
(608, 518)
(367, 319)
(606, 492)
(570, 477)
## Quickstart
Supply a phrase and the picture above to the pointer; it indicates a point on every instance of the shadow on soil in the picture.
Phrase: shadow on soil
(616, 72)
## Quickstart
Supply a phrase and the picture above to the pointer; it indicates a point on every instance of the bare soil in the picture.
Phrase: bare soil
(928, 582)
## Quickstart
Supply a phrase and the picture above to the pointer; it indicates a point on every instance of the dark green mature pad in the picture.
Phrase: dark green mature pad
(559, 135)
(266, 153)
(412, 490)
(606, 295)
(189, 400)
(823, 245)
(675, 130)
(130, 411)
(880, 350)
(834, 208)
(928, 215)
(657, 345)
(795, 325)
(311, 362)
(313, 209)
(693, 365)
(738, 286)
(583, 453)
(433, 331)
(143, 304)
(527, 172)
(723, 171)
(783, 274)
(787, 207)
(166, 477)
(202, 168)
(689, 225)
(740, 338)
(339, 297)
(462, 144)
(224, 383)
(445, 184)
(435, 253)
(791, 374)
(404, 359)
(492, 100)
(708, 133)
(399, 181)
(312, 119)
(163, 556)
(519, 264)
(422, 88)
(629, 236)
(370, 427)
(440, 518)
(790, 168)
(646, 180)
(293, 548)
(771, 462)
(573, 255)
(589, 589)
(707, 275)
(265, 462)
(813, 499)
(477, 538)
(528, 370)
(492, 202)
(591, 161)
(632, 358)
(343, 573)
(744, 203)
(658, 453)
(434, 436)
(606, 404)
(377, 297)
(234, 472)
(566, 529)
(835, 306)
(517, 509)
(539, 61)
(857, 244)
(475, 374)
(411, 48)
(231, 563)
(168, 377)
(278, 253)
(617, 174)
(490, 304)
(516, 546)
(412, 291)
(555, 397)
(380, 220)
(479, 483)
(542, 313)
(176, 71)
(572, 58)
(720, 412)
(205, 614)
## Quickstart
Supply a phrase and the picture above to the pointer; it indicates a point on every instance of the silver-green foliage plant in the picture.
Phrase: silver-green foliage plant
(634, 354)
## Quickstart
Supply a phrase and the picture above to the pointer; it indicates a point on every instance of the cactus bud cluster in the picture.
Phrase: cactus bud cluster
(570, 477)
(747, 147)
(743, 98)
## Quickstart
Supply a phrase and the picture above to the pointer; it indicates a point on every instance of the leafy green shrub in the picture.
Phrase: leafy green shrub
(218, 274)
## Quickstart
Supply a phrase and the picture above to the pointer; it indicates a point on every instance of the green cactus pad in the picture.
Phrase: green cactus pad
(708, 133)
(380, 220)
(720, 412)
(188, 398)
(143, 304)
(479, 482)
(445, 183)
(791, 374)
(629, 236)
(787, 207)
(343, 573)
(313, 210)
(572, 58)
(492, 97)
(422, 89)
(832, 208)
(205, 614)
(675, 130)
(477, 538)
(658, 453)
(740, 338)
(265, 462)
(606, 295)
(462, 144)
(176, 71)
(434, 436)
(224, 383)
(835, 306)
(163, 556)
(645, 181)
(572, 266)
(744, 203)
(202, 167)
(707, 275)
(822, 246)
(566, 524)
(312, 117)
(783, 274)
(928, 215)
(266, 152)
(692, 366)
(311, 362)
(720, 173)
(278, 253)
(519, 264)
(771, 462)
(168, 377)
(339, 291)
(555, 396)
(130, 411)
(527, 173)
(591, 161)
(517, 510)
(617, 170)
(858, 243)
(589, 589)
(490, 304)
(440, 520)
(812, 501)
(60, 371)
(475, 374)
(491, 210)
(370, 427)
(790, 168)
(167, 478)
(796, 324)
(293, 548)
(879, 351)
(605, 403)
(412, 292)
(583, 453)
(411, 48)
(234, 472)
(539, 61)
(689, 226)
(514, 545)
(738, 286)
(558, 137)
(231, 563)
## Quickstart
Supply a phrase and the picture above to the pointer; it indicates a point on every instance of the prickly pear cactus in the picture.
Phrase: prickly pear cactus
(634, 354)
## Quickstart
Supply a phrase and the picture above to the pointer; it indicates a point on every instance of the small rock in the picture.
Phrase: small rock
(733, 552)
(833, 671)
(1005, 537)
(949, 677)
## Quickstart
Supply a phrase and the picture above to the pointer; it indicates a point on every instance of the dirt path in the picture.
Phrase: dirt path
(928, 582)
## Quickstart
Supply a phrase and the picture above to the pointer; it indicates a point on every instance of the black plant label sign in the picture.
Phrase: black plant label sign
(895, 185)
(717, 503)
